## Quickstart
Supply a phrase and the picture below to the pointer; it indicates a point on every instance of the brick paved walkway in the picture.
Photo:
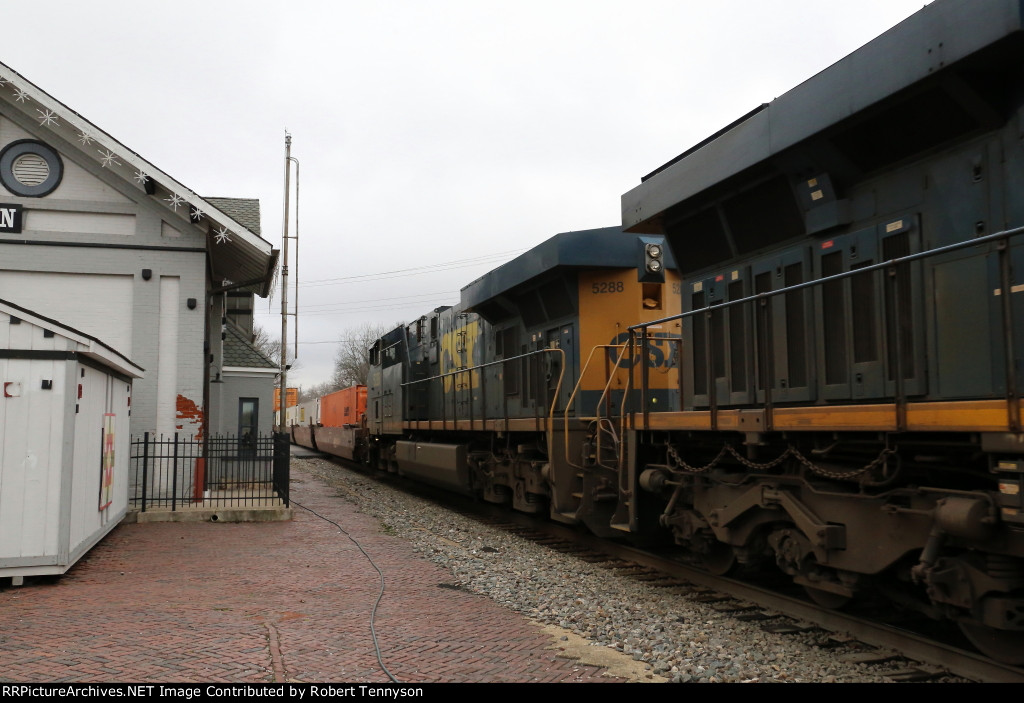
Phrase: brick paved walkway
(261, 602)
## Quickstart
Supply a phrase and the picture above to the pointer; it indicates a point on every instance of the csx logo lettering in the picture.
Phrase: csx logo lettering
(662, 350)
(458, 351)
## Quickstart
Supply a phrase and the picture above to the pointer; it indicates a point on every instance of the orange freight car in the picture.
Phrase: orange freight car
(292, 396)
(344, 407)
(343, 427)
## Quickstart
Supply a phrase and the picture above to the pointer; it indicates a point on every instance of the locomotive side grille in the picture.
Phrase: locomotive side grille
(893, 247)
(510, 371)
(718, 357)
(763, 284)
(700, 357)
(865, 335)
(796, 328)
(528, 369)
(833, 309)
(737, 340)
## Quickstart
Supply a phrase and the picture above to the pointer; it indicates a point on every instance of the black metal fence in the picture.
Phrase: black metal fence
(181, 472)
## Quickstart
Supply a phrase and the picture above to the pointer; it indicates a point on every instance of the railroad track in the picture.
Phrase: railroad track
(906, 655)
(911, 656)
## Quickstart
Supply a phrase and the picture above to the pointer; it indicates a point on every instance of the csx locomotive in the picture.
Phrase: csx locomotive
(802, 349)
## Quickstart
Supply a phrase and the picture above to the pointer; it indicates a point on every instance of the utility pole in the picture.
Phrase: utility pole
(284, 286)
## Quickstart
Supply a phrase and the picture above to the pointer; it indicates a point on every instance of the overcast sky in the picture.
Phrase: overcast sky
(444, 134)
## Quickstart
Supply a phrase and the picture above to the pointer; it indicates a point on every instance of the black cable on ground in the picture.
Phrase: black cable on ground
(380, 596)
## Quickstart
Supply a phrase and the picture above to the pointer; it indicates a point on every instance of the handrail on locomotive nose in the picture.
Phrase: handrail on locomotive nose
(575, 390)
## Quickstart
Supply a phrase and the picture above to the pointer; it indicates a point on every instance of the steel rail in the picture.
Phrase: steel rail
(957, 661)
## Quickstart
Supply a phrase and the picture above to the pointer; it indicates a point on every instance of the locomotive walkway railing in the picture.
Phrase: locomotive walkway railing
(639, 338)
(540, 391)
(179, 472)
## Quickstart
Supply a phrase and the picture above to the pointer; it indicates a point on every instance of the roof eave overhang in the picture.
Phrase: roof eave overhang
(247, 255)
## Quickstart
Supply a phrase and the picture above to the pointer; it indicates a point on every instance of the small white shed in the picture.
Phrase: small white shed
(65, 398)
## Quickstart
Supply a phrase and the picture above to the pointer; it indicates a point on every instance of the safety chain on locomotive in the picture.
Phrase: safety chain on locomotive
(673, 456)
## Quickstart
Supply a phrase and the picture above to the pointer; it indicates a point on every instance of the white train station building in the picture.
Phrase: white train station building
(125, 311)
(99, 239)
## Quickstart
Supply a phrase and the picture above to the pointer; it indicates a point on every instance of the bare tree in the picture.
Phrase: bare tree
(270, 347)
(352, 360)
(317, 391)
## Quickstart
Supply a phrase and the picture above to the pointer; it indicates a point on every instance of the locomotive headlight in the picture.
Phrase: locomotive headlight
(651, 262)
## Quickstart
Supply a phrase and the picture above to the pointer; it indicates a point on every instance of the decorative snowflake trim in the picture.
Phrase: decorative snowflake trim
(174, 201)
(21, 95)
(47, 118)
(140, 177)
(196, 214)
(108, 158)
(84, 138)
(222, 236)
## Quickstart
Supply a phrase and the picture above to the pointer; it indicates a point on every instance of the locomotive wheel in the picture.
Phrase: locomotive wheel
(720, 559)
(826, 599)
(1006, 646)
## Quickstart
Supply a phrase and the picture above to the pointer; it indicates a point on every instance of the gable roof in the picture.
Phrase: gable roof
(239, 351)
(245, 211)
(237, 252)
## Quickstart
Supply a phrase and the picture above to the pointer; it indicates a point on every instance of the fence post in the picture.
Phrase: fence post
(174, 476)
(145, 466)
(199, 477)
(282, 465)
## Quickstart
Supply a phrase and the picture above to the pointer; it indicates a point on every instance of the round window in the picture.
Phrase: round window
(30, 168)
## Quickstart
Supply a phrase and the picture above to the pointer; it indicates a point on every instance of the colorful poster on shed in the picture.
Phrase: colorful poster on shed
(107, 470)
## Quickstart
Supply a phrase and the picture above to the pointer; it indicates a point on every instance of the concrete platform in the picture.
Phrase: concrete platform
(267, 602)
(220, 514)
(221, 506)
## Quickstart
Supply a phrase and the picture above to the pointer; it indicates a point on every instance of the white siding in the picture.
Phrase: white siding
(101, 394)
(51, 446)
(167, 230)
(167, 355)
(79, 222)
(100, 305)
(31, 441)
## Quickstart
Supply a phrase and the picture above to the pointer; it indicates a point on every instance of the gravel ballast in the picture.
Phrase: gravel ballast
(669, 634)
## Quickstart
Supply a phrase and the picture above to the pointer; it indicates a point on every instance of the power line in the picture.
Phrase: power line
(355, 310)
(416, 296)
(335, 341)
(414, 271)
